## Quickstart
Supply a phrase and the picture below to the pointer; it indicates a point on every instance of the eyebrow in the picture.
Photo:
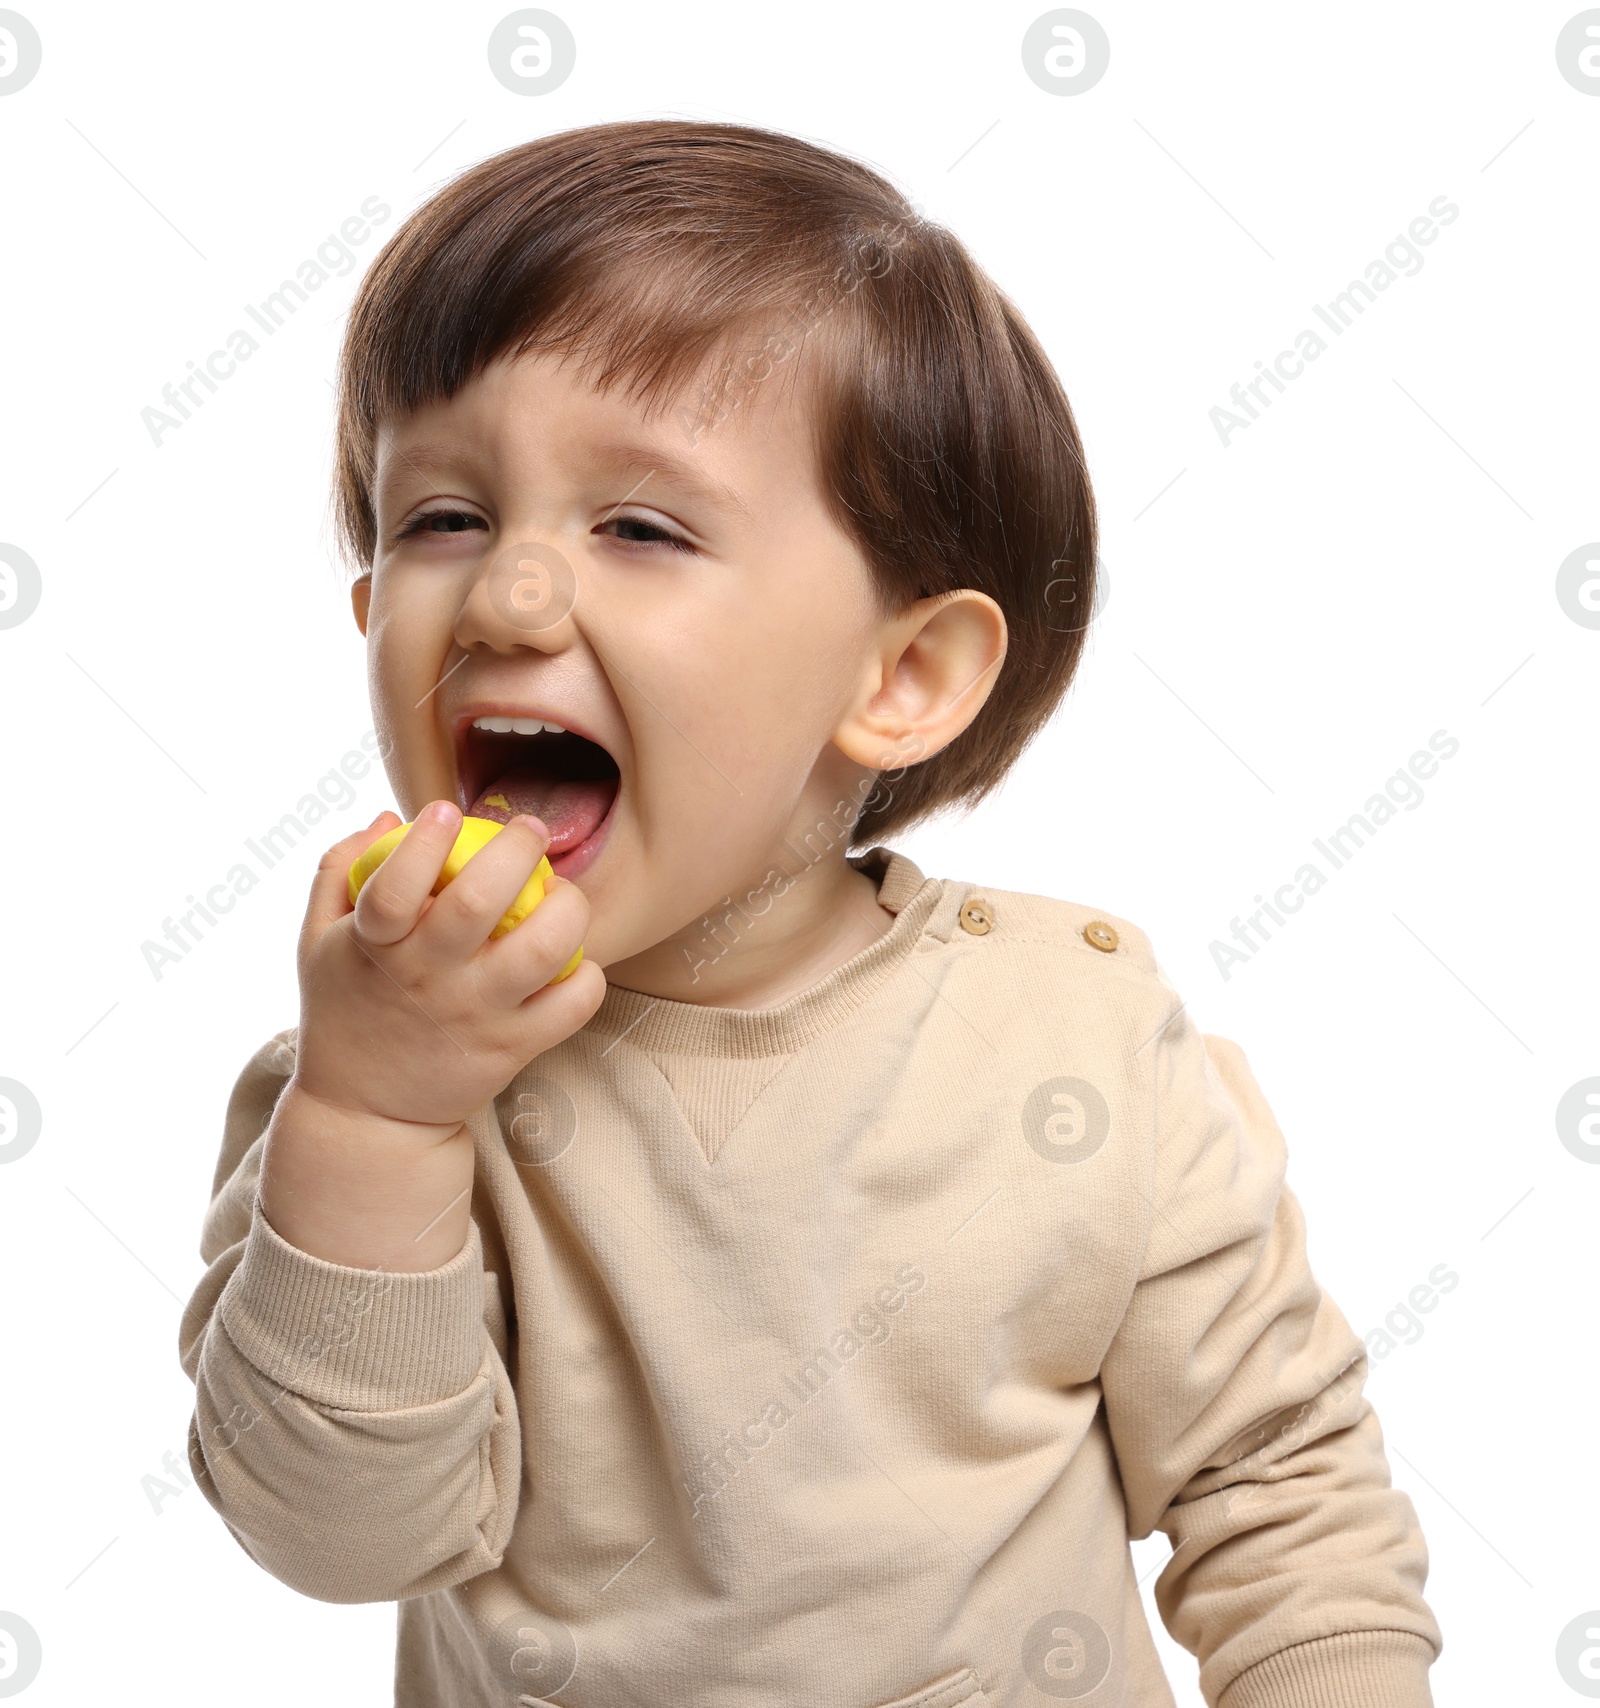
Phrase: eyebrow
(621, 457)
(652, 461)
(426, 460)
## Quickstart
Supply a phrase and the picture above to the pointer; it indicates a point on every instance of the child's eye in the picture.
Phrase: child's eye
(645, 533)
(441, 522)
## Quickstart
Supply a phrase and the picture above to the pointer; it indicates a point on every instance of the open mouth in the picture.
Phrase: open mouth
(510, 765)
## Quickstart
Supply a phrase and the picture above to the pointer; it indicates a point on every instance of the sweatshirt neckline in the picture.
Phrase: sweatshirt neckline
(661, 1024)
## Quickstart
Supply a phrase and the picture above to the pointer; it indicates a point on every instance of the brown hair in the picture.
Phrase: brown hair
(653, 248)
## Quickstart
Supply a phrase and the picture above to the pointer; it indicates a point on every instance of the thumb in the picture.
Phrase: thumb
(330, 888)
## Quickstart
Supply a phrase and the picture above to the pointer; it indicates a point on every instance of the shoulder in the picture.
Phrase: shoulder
(1085, 977)
(1056, 946)
(1092, 941)
(1052, 966)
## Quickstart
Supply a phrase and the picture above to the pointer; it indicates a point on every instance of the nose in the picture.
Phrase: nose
(523, 597)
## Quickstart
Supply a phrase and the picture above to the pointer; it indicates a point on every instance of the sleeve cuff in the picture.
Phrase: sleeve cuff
(1356, 1669)
(355, 1339)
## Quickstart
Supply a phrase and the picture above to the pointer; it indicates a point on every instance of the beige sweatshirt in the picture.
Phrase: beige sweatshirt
(828, 1356)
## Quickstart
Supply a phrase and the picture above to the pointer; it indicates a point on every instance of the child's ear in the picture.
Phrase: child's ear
(926, 680)
(361, 599)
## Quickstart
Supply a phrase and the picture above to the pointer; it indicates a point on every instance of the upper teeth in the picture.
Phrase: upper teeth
(518, 726)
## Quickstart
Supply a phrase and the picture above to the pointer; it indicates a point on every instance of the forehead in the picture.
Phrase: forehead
(725, 435)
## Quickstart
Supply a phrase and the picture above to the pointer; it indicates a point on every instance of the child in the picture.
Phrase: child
(808, 1307)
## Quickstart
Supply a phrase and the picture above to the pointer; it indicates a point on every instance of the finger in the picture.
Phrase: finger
(393, 898)
(330, 888)
(528, 957)
(473, 903)
(558, 1010)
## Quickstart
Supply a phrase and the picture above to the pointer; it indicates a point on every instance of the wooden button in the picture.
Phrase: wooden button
(1098, 935)
(976, 917)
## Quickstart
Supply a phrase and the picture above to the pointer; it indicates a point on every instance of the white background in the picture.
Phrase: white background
(1290, 617)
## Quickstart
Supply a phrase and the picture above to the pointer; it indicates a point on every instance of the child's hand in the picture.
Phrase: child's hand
(411, 1018)
(408, 1010)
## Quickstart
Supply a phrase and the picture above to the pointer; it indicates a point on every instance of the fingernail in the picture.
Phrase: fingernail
(441, 812)
(536, 825)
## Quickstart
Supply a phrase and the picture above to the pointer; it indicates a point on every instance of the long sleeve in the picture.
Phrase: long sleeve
(356, 1429)
(1234, 1398)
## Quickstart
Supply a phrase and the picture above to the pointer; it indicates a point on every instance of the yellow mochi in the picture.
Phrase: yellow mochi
(473, 835)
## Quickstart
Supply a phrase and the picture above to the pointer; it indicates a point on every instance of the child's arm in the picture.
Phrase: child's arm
(355, 1428)
(354, 1423)
(1233, 1395)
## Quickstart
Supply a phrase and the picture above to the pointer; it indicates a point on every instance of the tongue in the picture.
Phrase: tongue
(571, 809)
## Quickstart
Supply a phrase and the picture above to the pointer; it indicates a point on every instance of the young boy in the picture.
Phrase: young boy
(805, 1300)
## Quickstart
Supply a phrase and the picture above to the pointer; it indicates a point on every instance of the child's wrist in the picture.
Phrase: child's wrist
(365, 1190)
(340, 1109)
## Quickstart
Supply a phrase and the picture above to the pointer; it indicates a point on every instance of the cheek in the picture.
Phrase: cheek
(766, 684)
(409, 630)
(407, 637)
(808, 624)
(772, 690)
(709, 734)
